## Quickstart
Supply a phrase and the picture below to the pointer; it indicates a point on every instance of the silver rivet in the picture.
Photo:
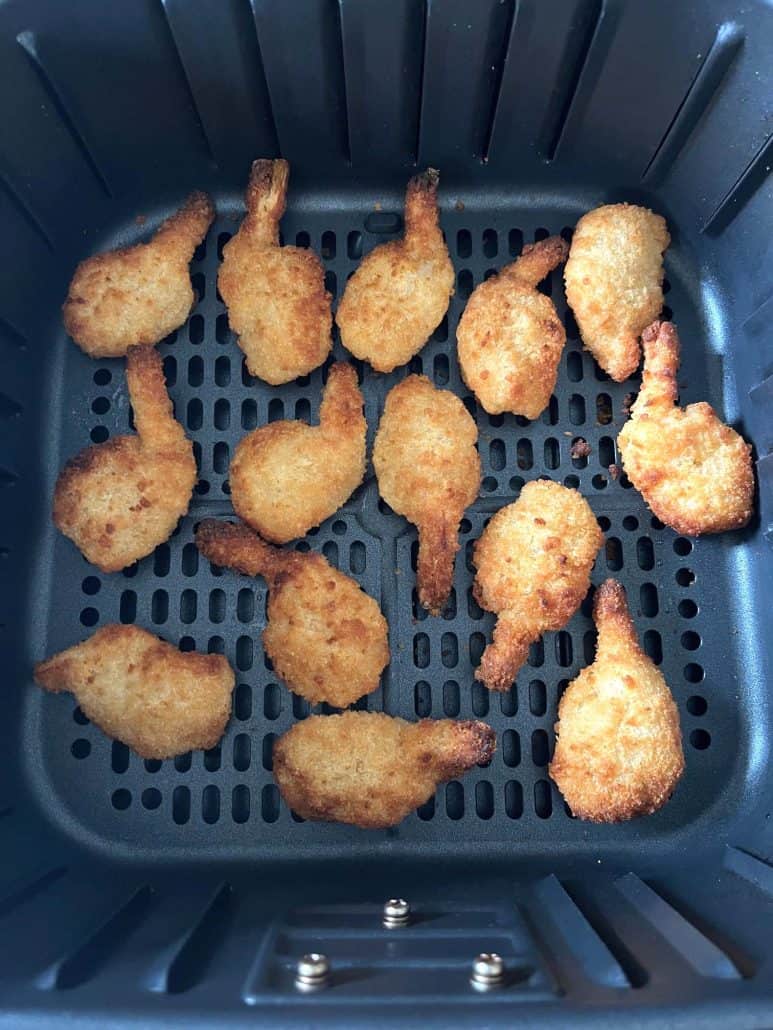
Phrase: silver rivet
(396, 913)
(313, 972)
(488, 972)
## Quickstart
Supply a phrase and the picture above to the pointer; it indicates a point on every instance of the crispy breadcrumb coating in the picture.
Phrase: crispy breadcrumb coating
(370, 769)
(619, 747)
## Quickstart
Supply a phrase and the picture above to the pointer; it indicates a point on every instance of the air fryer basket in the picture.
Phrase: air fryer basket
(187, 889)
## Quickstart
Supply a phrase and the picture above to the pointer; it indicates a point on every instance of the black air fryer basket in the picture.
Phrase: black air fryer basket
(142, 893)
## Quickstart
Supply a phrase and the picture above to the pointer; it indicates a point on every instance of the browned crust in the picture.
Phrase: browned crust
(505, 655)
(438, 544)
(192, 220)
(235, 546)
(342, 401)
(537, 260)
(421, 210)
(267, 188)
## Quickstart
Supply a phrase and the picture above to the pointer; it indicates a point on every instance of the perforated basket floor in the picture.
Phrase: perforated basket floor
(224, 801)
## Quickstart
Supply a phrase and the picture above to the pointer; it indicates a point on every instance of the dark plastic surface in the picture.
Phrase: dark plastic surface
(188, 890)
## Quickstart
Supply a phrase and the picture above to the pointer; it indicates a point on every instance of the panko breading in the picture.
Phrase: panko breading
(534, 561)
(287, 477)
(137, 295)
(401, 290)
(693, 471)
(619, 748)
(326, 638)
(118, 500)
(614, 282)
(276, 297)
(370, 769)
(510, 338)
(144, 692)
(428, 469)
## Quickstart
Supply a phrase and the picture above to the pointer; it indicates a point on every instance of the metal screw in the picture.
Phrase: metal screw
(488, 972)
(396, 913)
(312, 972)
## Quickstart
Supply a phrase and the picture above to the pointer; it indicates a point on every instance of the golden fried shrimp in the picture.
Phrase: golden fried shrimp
(428, 469)
(118, 500)
(137, 295)
(276, 297)
(326, 637)
(510, 338)
(144, 692)
(370, 769)
(533, 569)
(401, 290)
(693, 471)
(614, 281)
(619, 748)
(287, 477)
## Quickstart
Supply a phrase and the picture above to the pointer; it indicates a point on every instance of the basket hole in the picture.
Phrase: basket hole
(463, 243)
(524, 454)
(693, 672)
(153, 765)
(688, 609)
(536, 656)
(630, 522)
(515, 242)
(700, 739)
(543, 802)
(196, 329)
(613, 550)
(454, 800)
(451, 699)
(497, 455)
(599, 482)
(121, 799)
(572, 482)
(550, 414)
(194, 417)
(540, 753)
(480, 700)
(477, 647)
(189, 561)
(212, 758)
(301, 707)
(685, 577)
(269, 804)
(426, 811)
(421, 653)
(648, 598)
(441, 331)
(422, 699)
(102, 376)
(577, 410)
(645, 554)
(682, 546)
(240, 804)
(354, 245)
(91, 585)
(691, 641)
(89, 617)
(267, 752)
(242, 752)
(302, 240)
(151, 798)
(511, 749)
(484, 800)
(489, 484)
(210, 804)
(653, 646)
(563, 646)
(589, 646)
(606, 451)
(100, 405)
(244, 653)
(513, 799)
(243, 702)
(330, 551)
(188, 606)
(604, 410)
(222, 330)
(508, 701)
(99, 434)
(187, 644)
(80, 748)
(538, 698)
(697, 705)
(465, 284)
(222, 417)
(490, 243)
(119, 757)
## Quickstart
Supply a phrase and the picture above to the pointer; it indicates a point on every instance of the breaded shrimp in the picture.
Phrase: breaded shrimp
(276, 297)
(144, 692)
(118, 500)
(137, 295)
(289, 476)
(619, 748)
(534, 561)
(326, 638)
(614, 281)
(428, 469)
(693, 471)
(370, 769)
(510, 338)
(401, 290)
